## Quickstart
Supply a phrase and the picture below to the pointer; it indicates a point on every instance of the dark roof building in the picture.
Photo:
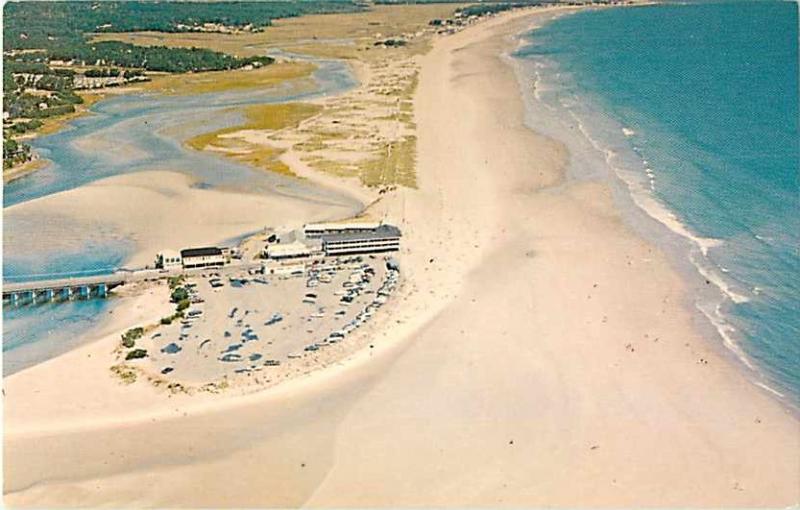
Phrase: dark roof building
(202, 257)
(209, 251)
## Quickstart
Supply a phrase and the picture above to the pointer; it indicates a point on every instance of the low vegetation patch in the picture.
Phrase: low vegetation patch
(265, 117)
(170, 318)
(126, 374)
(395, 165)
(179, 294)
(129, 337)
(136, 354)
(218, 81)
(175, 281)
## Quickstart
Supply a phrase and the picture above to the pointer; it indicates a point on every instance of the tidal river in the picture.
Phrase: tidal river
(124, 134)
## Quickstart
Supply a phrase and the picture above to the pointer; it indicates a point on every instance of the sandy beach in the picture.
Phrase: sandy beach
(538, 354)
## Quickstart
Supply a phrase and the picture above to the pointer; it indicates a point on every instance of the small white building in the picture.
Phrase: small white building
(295, 250)
(292, 245)
(168, 259)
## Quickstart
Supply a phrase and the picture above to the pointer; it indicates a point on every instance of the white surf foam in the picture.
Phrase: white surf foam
(727, 333)
(642, 197)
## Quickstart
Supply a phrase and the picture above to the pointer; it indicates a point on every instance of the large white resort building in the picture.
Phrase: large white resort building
(380, 239)
(332, 239)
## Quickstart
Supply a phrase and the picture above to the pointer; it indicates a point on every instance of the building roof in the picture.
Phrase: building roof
(208, 251)
(345, 225)
(381, 232)
(287, 250)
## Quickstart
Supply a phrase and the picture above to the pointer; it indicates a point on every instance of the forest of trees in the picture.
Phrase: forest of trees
(61, 30)
(47, 25)
(152, 58)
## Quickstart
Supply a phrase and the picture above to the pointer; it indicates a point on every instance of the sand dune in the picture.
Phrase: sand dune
(542, 356)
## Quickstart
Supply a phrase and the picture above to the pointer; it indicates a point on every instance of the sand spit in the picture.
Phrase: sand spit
(541, 355)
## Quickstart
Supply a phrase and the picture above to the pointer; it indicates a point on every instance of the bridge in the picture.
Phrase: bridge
(67, 288)
(83, 287)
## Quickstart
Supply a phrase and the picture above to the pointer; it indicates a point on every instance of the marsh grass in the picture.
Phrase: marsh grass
(360, 28)
(219, 81)
(271, 117)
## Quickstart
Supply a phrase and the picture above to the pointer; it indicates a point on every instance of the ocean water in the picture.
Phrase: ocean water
(124, 134)
(693, 108)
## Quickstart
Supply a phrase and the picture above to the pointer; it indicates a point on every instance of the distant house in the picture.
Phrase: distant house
(168, 259)
(202, 257)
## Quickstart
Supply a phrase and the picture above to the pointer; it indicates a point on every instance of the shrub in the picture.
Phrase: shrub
(179, 294)
(166, 320)
(136, 354)
(130, 337)
(183, 305)
(174, 281)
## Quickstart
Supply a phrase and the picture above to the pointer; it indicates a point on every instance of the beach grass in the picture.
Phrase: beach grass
(278, 116)
(395, 165)
(271, 117)
(388, 151)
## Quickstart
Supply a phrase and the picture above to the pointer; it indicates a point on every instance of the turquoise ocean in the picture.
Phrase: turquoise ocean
(691, 110)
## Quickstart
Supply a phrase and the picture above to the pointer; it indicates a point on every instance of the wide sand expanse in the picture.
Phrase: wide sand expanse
(541, 356)
(160, 210)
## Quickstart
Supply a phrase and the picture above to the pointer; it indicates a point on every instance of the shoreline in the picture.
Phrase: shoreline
(53, 126)
(159, 83)
(481, 367)
(23, 169)
(659, 227)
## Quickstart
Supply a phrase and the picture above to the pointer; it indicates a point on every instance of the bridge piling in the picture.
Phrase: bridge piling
(65, 289)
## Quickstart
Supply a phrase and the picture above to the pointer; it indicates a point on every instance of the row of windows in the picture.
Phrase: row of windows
(362, 247)
(356, 242)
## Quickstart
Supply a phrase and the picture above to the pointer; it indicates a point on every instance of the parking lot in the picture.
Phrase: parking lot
(244, 324)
